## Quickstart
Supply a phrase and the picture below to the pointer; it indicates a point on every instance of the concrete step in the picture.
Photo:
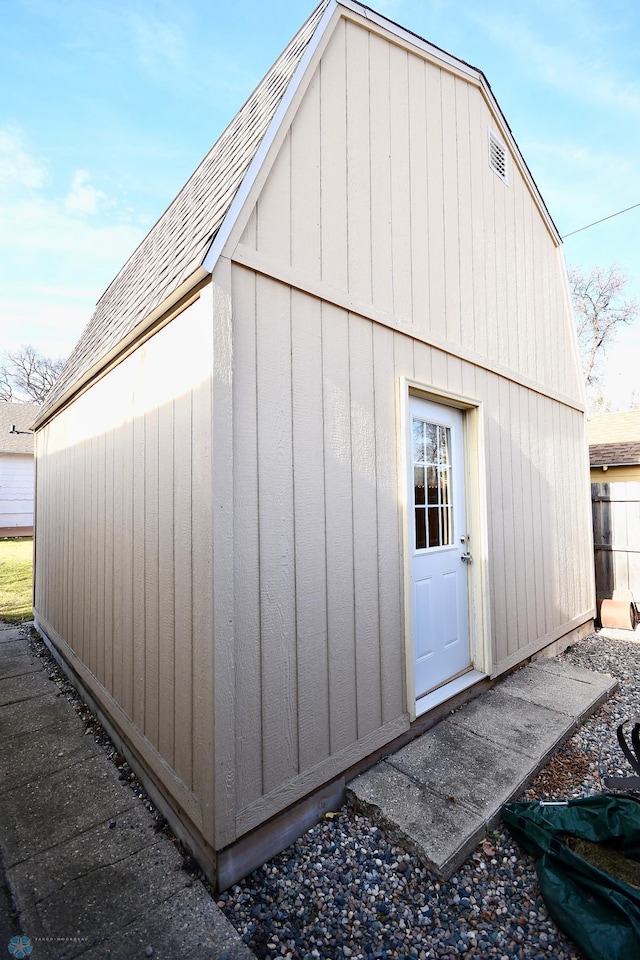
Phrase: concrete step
(438, 796)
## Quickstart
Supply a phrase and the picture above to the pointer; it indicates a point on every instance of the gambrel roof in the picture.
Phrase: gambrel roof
(182, 247)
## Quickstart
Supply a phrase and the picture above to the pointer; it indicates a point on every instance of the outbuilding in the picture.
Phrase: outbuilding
(317, 465)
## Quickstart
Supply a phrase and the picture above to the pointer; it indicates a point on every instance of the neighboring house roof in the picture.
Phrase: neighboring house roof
(22, 416)
(614, 439)
(182, 247)
(614, 454)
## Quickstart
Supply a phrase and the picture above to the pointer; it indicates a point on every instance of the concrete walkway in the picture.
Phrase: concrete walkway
(438, 796)
(92, 878)
(89, 875)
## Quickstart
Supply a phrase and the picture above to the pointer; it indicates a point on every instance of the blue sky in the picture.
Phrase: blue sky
(107, 106)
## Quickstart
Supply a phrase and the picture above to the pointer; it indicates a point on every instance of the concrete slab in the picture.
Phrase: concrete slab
(8, 633)
(187, 926)
(513, 723)
(86, 869)
(16, 660)
(53, 748)
(105, 843)
(464, 768)
(439, 794)
(557, 690)
(15, 689)
(98, 904)
(571, 671)
(48, 811)
(33, 714)
(438, 831)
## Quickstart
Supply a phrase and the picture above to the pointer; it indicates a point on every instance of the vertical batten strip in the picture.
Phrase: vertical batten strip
(358, 146)
(151, 571)
(310, 532)
(183, 453)
(365, 534)
(339, 519)
(388, 515)
(276, 533)
(202, 585)
(166, 582)
(249, 695)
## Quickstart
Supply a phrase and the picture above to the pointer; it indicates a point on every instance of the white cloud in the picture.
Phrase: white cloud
(55, 261)
(17, 167)
(83, 197)
(159, 43)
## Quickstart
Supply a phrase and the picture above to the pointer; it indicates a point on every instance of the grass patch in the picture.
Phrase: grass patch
(16, 578)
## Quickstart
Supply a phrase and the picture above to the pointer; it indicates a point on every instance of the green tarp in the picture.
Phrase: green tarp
(596, 908)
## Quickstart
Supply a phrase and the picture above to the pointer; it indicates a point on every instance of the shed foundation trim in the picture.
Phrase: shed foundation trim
(154, 772)
(567, 634)
(285, 796)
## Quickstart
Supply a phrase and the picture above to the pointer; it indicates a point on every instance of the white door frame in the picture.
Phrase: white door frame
(475, 473)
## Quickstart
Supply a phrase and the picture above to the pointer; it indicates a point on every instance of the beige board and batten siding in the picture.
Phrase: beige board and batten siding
(392, 148)
(123, 580)
(318, 529)
(459, 260)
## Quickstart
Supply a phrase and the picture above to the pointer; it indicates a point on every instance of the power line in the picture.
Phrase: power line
(596, 222)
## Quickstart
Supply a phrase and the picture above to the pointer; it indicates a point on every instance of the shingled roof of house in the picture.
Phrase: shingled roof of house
(614, 439)
(176, 246)
(614, 454)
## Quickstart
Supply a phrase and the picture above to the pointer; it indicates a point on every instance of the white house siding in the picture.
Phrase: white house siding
(16, 493)
(124, 548)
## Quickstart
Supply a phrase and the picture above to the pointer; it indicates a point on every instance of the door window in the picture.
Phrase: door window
(431, 451)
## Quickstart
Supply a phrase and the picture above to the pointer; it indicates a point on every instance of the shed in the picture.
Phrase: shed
(317, 464)
(16, 468)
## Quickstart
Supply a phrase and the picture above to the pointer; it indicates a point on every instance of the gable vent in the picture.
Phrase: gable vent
(498, 157)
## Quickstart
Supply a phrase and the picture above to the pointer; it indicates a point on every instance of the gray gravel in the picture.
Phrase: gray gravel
(343, 891)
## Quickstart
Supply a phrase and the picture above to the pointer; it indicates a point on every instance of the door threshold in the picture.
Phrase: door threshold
(448, 690)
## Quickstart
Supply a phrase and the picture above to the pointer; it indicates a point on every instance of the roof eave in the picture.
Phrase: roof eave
(226, 227)
(123, 346)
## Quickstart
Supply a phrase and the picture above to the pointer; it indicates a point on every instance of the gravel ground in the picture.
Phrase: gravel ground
(343, 891)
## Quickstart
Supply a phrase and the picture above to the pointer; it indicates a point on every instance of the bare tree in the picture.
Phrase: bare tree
(26, 375)
(600, 309)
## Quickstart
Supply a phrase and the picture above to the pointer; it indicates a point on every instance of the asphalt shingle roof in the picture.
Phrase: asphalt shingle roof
(177, 244)
(614, 454)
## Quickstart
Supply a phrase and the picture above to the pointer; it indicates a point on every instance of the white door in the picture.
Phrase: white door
(439, 544)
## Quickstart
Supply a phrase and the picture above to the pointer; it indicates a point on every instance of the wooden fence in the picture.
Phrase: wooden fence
(616, 537)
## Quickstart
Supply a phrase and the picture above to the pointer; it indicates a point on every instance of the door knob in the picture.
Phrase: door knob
(466, 557)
